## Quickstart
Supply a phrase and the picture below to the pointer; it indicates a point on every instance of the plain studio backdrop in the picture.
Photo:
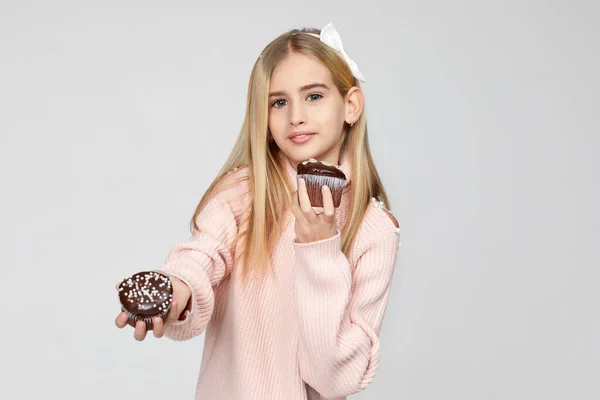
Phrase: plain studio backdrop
(116, 116)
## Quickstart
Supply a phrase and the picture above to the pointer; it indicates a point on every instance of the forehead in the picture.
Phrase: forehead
(297, 70)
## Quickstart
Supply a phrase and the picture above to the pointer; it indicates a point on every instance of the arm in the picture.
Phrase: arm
(201, 263)
(340, 311)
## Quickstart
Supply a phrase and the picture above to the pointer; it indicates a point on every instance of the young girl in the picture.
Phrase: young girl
(291, 296)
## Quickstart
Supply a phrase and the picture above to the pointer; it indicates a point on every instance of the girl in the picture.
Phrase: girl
(292, 297)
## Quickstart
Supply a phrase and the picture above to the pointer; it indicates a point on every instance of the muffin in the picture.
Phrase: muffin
(318, 173)
(146, 295)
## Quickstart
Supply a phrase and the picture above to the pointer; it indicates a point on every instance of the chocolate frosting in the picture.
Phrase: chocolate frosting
(146, 294)
(314, 167)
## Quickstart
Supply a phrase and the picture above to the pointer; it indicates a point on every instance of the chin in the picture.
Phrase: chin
(299, 155)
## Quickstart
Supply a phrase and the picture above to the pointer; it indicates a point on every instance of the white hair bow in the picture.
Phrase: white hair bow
(331, 37)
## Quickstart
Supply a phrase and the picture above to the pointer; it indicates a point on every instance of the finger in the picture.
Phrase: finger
(140, 331)
(296, 208)
(159, 327)
(328, 208)
(173, 312)
(121, 320)
(303, 198)
(295, 203)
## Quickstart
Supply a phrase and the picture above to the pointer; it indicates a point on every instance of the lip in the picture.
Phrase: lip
(294, 134)
(301, 137)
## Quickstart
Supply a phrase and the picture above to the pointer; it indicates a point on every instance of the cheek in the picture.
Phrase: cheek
(330, 117)
(277, 125)
(341, 112)
(274, 121)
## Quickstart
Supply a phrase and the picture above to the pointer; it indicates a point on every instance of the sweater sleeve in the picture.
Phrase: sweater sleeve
(202, 262)
(341, 311)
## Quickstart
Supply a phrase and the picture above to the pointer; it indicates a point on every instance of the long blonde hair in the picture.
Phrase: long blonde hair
(268, 179)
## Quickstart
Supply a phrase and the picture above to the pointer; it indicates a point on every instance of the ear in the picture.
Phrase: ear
(355, 103)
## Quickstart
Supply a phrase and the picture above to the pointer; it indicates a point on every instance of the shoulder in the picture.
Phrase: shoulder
(380, 216)
(234, 181)
(234, 189)
(379, 226)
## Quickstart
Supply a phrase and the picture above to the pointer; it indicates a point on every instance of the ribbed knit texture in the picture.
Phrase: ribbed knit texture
(311, 331)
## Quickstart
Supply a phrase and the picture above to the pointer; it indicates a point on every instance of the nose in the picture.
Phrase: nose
(297, 114)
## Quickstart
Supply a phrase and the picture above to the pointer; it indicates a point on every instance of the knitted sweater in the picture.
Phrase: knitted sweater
(308, 333)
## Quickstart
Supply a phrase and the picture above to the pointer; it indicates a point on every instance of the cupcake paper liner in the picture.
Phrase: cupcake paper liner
(314, 183)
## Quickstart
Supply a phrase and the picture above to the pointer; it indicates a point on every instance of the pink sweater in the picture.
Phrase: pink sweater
(310, 332)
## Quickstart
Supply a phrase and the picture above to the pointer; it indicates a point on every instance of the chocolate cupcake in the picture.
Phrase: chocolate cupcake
(146, 295)
(316, 174)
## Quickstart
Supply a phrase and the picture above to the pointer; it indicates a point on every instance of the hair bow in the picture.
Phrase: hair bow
(331, 37)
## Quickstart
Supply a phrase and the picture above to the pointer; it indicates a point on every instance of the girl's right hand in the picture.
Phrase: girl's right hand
(181, 296)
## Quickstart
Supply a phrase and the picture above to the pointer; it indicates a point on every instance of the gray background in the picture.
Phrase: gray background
(115, 116)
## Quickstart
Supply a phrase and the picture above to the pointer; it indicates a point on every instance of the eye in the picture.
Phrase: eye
(277, 103)
(280, 103)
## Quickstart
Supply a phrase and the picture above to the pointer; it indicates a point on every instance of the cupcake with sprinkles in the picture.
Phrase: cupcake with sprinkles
(146, 295)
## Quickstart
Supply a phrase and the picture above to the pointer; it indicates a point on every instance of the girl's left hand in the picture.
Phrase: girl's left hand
(310, 226)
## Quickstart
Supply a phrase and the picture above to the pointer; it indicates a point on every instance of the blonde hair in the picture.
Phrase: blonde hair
(267, 175)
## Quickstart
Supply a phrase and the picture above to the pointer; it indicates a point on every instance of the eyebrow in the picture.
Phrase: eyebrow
(302, 89)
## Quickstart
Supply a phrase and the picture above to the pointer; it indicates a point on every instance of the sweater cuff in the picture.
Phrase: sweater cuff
(202, 299)
(323, 262)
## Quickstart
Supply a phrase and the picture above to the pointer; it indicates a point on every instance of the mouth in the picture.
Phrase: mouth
(301, 137)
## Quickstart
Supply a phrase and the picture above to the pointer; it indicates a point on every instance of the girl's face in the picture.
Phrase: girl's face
(306, 110)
